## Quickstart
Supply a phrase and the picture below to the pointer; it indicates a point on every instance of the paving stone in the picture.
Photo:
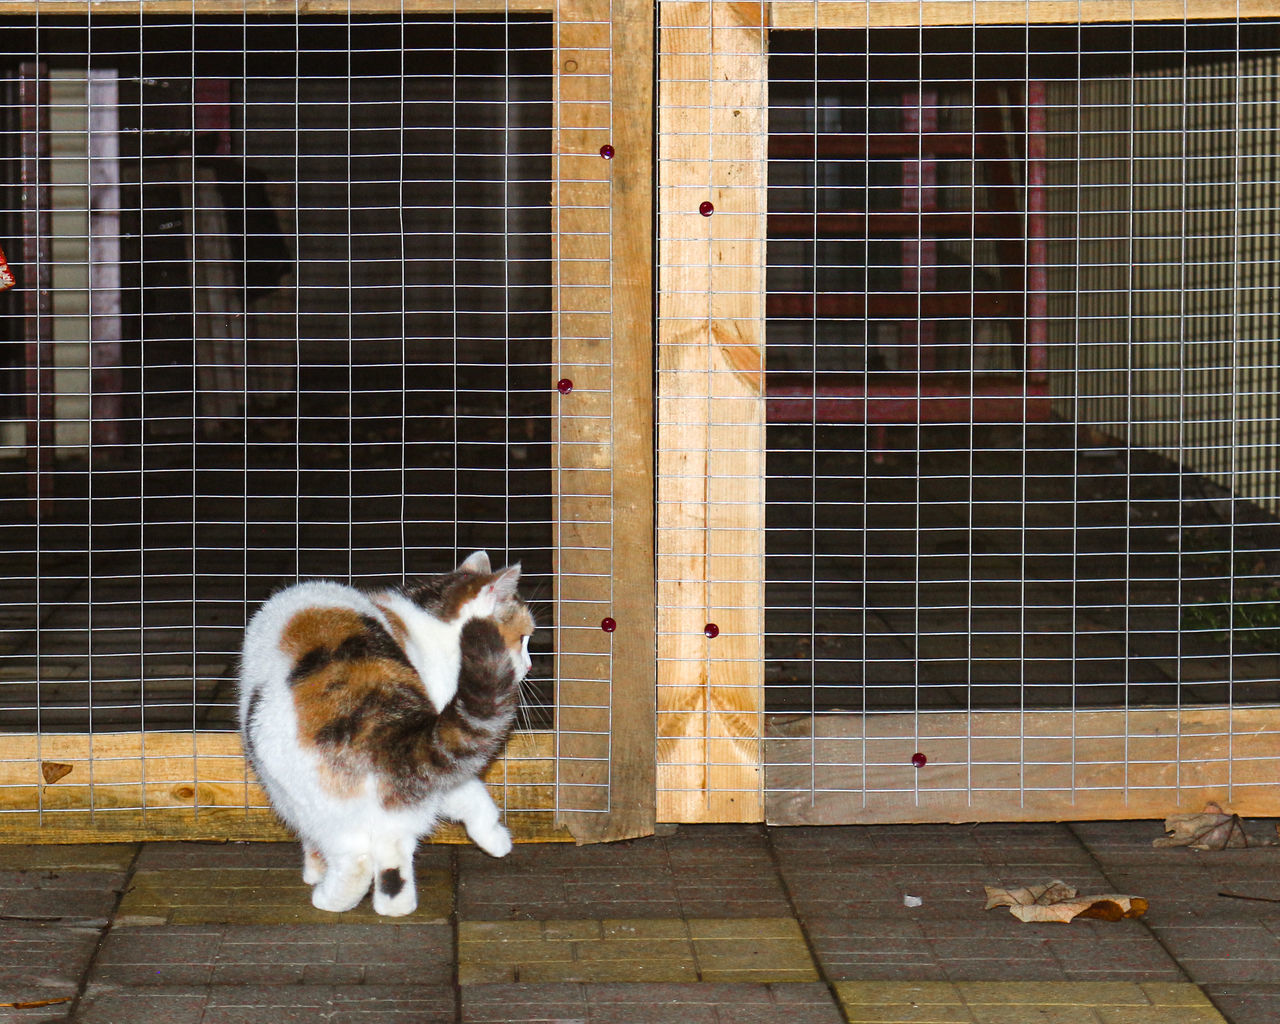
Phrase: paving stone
(705, 1003)
(278, 1004)
(49, 893)
(1228, 952)
(80, 857)
(69, 882)
(335, 954)
(43, 960)
(171, 855)
(1025, 1002)
(634, 950)
(1246, 1004)
(701, 871)
(258, 896)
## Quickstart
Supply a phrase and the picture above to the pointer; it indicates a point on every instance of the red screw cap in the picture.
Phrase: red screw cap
(608, 625)
(919, 760)
(564, 385)
(711, 630)
(606, 151)
(706, 208)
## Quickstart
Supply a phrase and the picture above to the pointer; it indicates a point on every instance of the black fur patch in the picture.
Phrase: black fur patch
(313, 661)
(390, 883)
(373, 642)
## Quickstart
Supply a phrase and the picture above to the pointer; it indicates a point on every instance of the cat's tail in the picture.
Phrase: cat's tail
(475, 724)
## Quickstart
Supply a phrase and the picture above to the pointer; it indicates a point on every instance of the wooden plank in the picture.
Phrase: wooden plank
(1051, 765)
(281, 7)
(712, 148)
(196, 785)
(603, 437)
(805, 14)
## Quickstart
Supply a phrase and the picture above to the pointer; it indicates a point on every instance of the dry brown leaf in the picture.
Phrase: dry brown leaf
(31, 1004)
(1059, 902)
(1211, 829)
(54, 770)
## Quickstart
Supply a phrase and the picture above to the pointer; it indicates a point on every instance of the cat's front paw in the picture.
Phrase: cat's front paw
(495, 840)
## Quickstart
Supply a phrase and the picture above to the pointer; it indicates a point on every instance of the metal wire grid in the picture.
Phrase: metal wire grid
(294, 320)
(1022, 384)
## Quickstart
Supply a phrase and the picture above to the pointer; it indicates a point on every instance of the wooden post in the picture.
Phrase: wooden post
(712, 177)
(603, 428)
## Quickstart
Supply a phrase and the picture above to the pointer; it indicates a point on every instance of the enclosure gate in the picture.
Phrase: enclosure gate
(1060, 605)
(794, 680)
(403, 423)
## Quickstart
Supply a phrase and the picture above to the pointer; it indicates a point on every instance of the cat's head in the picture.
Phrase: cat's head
(475, 590)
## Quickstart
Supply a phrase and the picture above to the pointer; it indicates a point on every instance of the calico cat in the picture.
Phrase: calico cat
(370, 716)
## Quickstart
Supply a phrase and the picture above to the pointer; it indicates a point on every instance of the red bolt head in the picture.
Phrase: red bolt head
(606, 151)
(564, 385)
(706, 208)
(608, 625)
(711, 630)
(919, 760)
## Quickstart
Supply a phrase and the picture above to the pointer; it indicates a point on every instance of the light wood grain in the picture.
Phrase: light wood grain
(1021, 766)
(603, 428)
(282, 7)
(197, 785)
(804, 14)
(712, 147)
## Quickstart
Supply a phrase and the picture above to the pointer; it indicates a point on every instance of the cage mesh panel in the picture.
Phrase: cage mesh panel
(1022, 399)
(294, 320)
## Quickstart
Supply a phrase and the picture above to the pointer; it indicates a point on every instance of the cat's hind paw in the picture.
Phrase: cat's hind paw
(395, 906)
(342, 890)
(393, 894)
(334, 902)
(313, 867)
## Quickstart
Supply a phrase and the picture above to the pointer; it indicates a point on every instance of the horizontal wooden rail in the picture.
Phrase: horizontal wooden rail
(123, 787)
(306, 8)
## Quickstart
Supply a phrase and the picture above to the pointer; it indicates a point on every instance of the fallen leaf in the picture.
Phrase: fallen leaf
(1211, 829)
(54, 770)
(1059, 902)
(32, 1003)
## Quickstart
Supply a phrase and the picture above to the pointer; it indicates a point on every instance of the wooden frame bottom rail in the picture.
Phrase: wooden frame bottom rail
(1051, 765)
(126, 787)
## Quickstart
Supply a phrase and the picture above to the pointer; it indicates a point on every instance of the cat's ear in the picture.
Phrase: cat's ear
(478, 563)
(505, 583)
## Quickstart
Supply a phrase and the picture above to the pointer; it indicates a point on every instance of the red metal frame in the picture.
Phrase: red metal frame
(923, 394)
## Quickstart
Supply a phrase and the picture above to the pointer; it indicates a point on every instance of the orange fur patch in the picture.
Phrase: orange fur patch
(516, 624)
(336, 688)
(318, 627)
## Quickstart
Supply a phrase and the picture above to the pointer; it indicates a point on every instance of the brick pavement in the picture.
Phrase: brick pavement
(704, 924)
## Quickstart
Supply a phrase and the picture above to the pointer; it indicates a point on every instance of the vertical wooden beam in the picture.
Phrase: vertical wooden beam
(603, 429)
(713, 136)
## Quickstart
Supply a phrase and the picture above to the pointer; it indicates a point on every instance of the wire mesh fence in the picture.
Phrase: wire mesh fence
(1012, 342)
(284, 309)
(1022, 399)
